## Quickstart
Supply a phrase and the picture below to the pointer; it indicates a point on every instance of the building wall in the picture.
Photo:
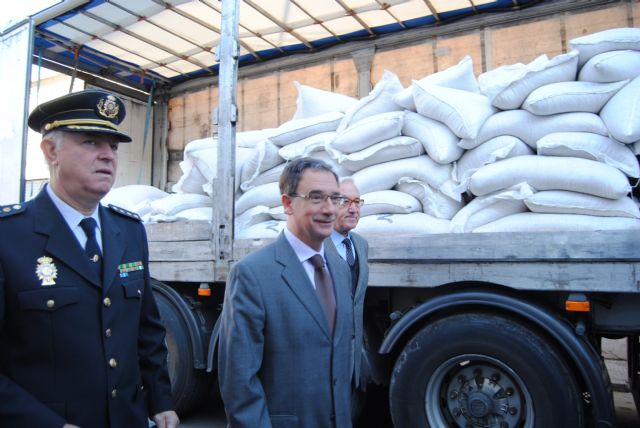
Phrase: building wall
(269, 100)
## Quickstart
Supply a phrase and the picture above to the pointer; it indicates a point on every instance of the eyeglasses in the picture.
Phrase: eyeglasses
(346, 202)
(317, 198)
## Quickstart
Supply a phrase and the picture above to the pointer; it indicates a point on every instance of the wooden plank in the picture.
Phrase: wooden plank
(574, 276)
(183, 271)
(179, 231)
(562, 246)
(180, 251)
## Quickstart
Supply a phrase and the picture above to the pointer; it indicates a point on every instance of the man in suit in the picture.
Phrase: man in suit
(81, 342)
(354, 249)
(287, 321)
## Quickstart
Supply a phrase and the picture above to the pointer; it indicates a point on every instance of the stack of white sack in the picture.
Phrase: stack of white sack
(549, 145)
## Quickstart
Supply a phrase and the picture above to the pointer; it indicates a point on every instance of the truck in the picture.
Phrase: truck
(464, 330)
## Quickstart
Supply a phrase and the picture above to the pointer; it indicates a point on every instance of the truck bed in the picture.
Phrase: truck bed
(573, 261)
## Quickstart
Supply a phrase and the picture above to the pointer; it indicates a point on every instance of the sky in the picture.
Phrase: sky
(15, 11)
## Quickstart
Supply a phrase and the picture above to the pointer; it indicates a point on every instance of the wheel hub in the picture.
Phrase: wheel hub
(481, 396)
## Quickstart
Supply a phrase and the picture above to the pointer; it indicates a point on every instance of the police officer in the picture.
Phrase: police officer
(81, 342)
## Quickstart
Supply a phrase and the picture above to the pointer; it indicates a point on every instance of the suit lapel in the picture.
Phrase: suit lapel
(113, 246)
(297, 280)
(62, 243)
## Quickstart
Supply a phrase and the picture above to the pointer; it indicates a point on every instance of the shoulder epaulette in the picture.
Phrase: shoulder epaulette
(124, 212)
(9, 210)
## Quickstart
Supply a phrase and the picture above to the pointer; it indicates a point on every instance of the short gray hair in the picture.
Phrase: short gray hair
(56, 137)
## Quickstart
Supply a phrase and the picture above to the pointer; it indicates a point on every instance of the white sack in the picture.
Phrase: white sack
(385, 175)
(564, 202)
(604, 41)
(174, 203)
(636, 147)
(269, 176)
(266, 194)
(379, 100)
(368, 131)
(306, 146)
(611, 66)
(434, 202)
(195, 214)
(133, 197)
(401, 224)
(253, 215)
(551, 173)
(488, 208)
(564, 97)
(265, 230)
(388, 202)
(249, 139)
(384, 151)
(509, 85)
(440, 143)
(295, 130)
(200, 166)
(459, 76)
(462, 111)
(502, 147)
(265, 156)
(622, 113)
(530, 127)
(536, 222)
(313, 102)
(590, 146)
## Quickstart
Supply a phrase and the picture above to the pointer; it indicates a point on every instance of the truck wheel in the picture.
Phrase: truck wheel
(188, 385)
(481, 370)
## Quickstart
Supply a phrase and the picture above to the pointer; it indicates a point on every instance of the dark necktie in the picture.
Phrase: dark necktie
(350, 258)
(91, 247)
(324, 289)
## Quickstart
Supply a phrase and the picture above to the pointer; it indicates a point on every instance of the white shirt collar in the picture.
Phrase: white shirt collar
(71, 216)
(302, 250)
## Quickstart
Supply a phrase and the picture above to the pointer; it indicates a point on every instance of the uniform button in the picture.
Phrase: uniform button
(107, 332)
(114, 393)
(113, 363)
(107, 302)
(51, 303)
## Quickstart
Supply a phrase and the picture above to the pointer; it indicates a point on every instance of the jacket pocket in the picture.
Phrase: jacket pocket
(133, 289)
(48, 299)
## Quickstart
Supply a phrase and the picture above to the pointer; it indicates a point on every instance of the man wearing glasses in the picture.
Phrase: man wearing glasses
(285, 355)
(354, 249)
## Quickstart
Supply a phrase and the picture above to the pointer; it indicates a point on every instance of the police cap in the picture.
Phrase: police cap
(91, 111)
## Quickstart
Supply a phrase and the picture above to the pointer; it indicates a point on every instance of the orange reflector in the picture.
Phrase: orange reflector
(574, 306)
(204, 290)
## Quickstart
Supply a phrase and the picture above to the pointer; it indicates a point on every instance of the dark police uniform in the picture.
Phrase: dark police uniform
(74, 347)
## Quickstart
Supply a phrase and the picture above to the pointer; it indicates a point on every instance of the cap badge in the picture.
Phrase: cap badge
(47, 271)
(108, 107)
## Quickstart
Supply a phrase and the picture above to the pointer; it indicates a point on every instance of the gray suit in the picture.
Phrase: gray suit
(361, 248)
(278, 364)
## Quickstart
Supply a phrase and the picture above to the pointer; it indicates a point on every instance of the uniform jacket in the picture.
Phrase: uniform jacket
(361, 248)
(278, 364)
(81, 351)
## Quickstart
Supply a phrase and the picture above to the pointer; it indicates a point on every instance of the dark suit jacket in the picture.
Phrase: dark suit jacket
(88, 353)
(278, 364)
(362, 252)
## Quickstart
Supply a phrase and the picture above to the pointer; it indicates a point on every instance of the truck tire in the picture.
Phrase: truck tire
(188, 385)
(482, 370)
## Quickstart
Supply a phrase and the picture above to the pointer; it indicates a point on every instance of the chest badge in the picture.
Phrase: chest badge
(47, 271)
(125, 268)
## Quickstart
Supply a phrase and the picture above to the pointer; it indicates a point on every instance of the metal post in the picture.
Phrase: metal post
(226, 115)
